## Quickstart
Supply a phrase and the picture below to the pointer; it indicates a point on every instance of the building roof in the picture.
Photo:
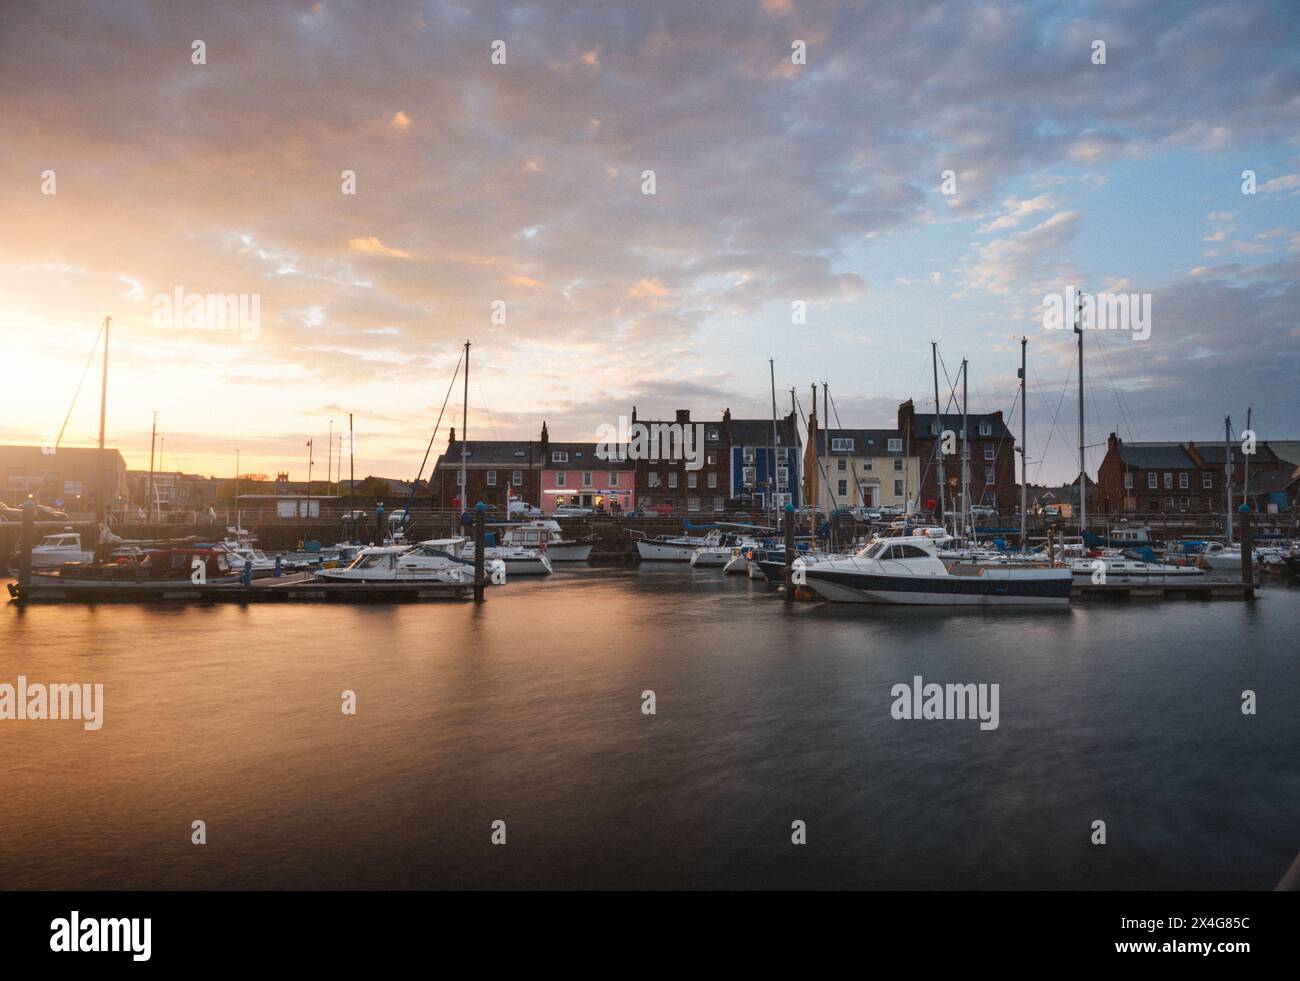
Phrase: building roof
(866, 442)
(1287, 450)
(758, 432)
(582, 455)
(1155, 456)
(493, 452)
(923, 424)
(1216, 453)
(35, 459)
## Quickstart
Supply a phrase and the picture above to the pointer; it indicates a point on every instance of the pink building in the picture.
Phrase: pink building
(573, 474)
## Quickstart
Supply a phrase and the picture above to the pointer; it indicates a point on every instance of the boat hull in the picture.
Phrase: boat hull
(710, 558)
(662, 552)
(1038, 590)
(568, 553)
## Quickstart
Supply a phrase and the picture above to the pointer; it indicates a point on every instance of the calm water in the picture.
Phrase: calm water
(528, 710)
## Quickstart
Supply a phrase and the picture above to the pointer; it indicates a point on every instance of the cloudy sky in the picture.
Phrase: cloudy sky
(519, 187)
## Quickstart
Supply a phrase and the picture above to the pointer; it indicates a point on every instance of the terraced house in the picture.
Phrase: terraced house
(762, 471)
(865, 468)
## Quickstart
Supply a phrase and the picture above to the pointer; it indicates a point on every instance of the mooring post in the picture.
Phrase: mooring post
(789, 553)
(25, 544)
(480, 512)
(1247, 562)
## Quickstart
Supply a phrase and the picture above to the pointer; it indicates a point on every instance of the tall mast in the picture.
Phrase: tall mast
(1024, 450)
(812, 484)
(103, 502)
(965, 452)
(938, 434)
(153, 437)
(1227, 470)
(773, 483)
(1083, 467)
(238, 524)
(352, 472)
(464, 444)
(309, 463)
(1245, 462)
(329, 458)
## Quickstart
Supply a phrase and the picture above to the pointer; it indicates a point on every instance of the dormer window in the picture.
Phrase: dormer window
(840, 444)
(559, 456)
(895, 446)
(986, 429)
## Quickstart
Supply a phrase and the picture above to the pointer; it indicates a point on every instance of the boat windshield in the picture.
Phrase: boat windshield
(372, 561)
(429, 552)
(873, 550)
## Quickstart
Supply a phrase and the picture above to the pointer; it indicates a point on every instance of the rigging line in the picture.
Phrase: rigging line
(1047, 445)
(428, 449)
(1124, 416)
(483, 402)
(84, 370)
(821, 466)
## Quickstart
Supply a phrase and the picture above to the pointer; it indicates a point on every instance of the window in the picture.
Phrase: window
(748, 455)
(517, 477)
(747, 476)
(1182, 481)
(586, 478)
(654, 479)
(712, 435)
(898, 464)
(989, 453)
(783, 476)
(866, 465)
(1169, 481)
(1207, 481)
(491, 478)
(1169, 503)
(460, 478)
(1128, 481)
(672, 479)
(692, 480)
(986, 429)
(1151, 481)
(713, 481)
(613, 479)
(898, 488)
(719, 503)
(559, 478)
(1182, 504)
(692, 504)
(843, 464)
(894, 446)
(1209, 504)
(843, 488)
(711, 458)
(520, 453)
(841, 444)
(559, 456)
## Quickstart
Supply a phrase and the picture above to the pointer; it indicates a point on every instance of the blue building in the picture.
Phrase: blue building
(761, 472)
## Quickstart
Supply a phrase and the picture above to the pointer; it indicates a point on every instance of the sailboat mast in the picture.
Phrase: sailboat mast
(153, 438)
(1083, 467)
(329, 459)
(965, 452)
(1245, 462)
(1024, 451)
(1227, 470)
(103, 503)
(464, 444)
(773, 483)
(352, 471)
(938, 433)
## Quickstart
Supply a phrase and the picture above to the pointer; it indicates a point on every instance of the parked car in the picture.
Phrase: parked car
(44, 513)
(522, 509)
(866, 514)
(983, 511)
(742, 516)
(890, 511)
(10, 514)
(663, 509)
(572, 511)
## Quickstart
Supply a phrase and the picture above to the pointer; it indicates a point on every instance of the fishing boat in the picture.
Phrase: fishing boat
(547, 536)
(164, 567)
(909, 571)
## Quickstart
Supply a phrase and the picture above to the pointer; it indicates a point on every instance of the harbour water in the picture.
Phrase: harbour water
(528, 710)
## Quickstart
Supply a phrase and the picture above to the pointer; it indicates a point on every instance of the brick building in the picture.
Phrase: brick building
(68, 477)
(495, 469)
(992, 457)
(669, 485)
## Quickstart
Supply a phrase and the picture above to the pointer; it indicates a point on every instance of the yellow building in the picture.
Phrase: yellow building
(865, 468)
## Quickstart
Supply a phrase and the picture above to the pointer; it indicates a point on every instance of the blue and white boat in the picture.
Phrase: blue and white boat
(909, 571)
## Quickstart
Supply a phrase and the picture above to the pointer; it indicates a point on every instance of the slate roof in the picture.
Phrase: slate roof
(923, 424)
(866, 442)
(1155, 456)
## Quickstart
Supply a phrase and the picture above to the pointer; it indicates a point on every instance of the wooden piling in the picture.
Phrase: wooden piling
(480, 511)
(25, 544)
(1247, 557)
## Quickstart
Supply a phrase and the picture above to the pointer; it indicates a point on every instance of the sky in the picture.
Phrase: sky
(835, 187)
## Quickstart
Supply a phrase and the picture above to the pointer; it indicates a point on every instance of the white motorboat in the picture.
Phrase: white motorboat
(1222, 558)
(518, 561)
(668, 548)
(426, 562)
(54, 550)
(719, 553)
(908, 570)
(1130, 570)
(547, 536)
